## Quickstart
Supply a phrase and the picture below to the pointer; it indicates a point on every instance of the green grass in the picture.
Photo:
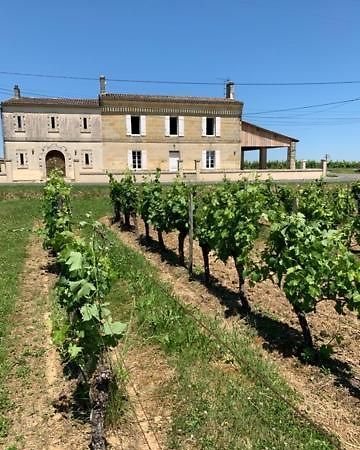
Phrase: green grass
(16, 221)
(17, 216)
(219, 402)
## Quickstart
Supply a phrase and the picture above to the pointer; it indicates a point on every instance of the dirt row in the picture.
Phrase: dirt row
(42, 415)
(330, 393)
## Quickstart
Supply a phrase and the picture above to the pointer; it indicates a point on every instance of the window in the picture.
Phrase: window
(135, 125)
(22, 159)
(87, 159)
(211, 126)
(85, 124)
(136, 159)
(174, 126)
(19, 123)
(53, 123)
(210, 159)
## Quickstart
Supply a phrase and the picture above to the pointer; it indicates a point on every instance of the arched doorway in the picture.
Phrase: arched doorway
(55, 160)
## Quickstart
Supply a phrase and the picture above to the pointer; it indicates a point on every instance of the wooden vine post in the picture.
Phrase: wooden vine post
(191, 232)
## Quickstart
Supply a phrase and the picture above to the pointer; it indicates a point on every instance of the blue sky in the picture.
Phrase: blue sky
(255, 41)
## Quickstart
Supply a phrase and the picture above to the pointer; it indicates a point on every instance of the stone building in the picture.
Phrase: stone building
(204, 139)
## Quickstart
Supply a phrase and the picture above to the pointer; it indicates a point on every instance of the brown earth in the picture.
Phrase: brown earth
(36, 378)
(329, 392)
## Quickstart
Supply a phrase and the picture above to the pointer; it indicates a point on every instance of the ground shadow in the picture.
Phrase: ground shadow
(277, 335)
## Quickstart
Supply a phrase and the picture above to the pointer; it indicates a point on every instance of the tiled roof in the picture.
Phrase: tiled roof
(166, 98)
(91, 102)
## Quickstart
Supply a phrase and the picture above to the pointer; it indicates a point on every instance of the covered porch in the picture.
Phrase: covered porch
(260, 139)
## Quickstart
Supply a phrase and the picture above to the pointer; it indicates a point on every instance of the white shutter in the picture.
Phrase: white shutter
(144, 159)
(18, 159)
(203, 126)
(143, 125)
(128, 125)
(181, 125)
(203, 159)
(130, 166)
(217, 159)
(218, 126)
(167, 125)
(26, 160)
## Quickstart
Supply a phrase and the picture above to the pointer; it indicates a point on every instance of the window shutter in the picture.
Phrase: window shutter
(144, 159)
(181, 125)
(203, 159)
(203, 126)
(217, 159)
(130, 166)
(218, 126)
(18, 159)
(143, 125)
(26, 161)
(167, 125)
(128, 125)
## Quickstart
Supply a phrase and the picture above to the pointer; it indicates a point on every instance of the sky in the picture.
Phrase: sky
(251, 42)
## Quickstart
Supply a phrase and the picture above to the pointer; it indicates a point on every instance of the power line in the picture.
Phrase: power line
(341, 102)
(180, 82)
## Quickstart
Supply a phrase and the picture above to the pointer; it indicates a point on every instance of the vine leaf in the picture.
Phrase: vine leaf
(75, 261)
(113, 328)
(89, 311)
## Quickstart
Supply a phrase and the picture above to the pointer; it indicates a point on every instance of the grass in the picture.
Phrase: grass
(16, 221)
(219, 403)
(17, 215)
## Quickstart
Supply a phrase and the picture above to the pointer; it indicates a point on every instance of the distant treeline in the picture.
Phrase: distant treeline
(310, 164)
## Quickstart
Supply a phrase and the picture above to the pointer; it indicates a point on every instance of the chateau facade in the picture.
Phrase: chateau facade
(203, 139)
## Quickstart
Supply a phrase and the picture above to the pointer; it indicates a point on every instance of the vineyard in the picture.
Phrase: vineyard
(168, 311)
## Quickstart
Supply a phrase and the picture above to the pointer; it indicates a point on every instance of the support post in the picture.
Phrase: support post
(262, 158)
(303, 164)
(242, 159)
(324, 167)
(181, 167)
(291, 156)
(9, 171)
(197, 168)
(191, 232)
(76, 170)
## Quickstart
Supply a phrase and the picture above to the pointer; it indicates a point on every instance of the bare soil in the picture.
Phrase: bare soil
(36, 377)
(330, 392)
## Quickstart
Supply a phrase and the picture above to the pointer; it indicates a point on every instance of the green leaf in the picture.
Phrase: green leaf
(90, 311)
(114, 328)
(75, 261)
(74, 350)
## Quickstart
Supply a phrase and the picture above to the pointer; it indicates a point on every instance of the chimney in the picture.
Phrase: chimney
(16, 91)
(102, 85)
(230, 91)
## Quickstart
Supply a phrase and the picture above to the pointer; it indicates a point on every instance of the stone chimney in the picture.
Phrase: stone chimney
(102, 85)
(230, 90)
(16, 91)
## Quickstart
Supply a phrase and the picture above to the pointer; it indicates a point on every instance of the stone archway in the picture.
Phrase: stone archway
(55, 160)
